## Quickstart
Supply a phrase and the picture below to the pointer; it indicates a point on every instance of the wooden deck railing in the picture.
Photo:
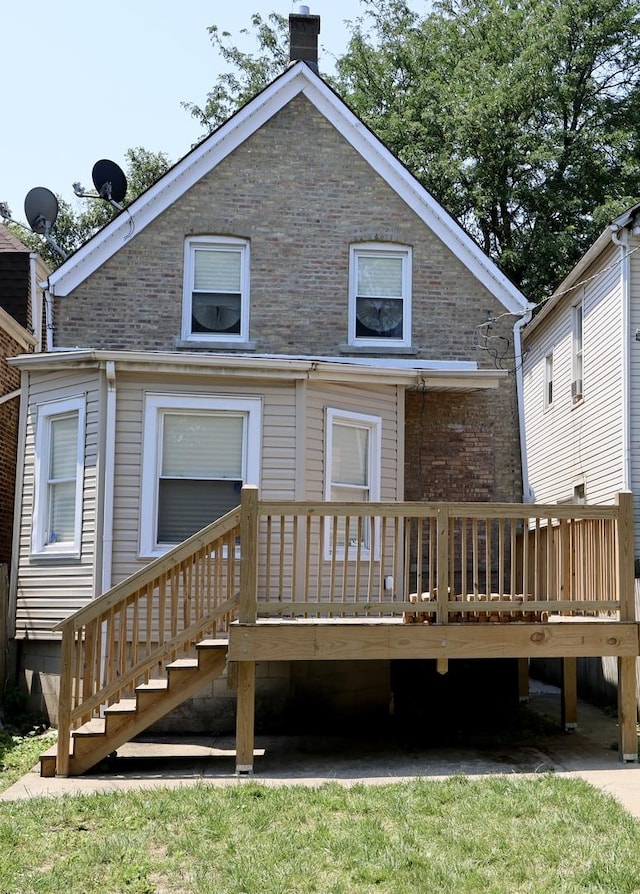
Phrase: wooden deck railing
(438, 562)
(432, 562)
(127, 635)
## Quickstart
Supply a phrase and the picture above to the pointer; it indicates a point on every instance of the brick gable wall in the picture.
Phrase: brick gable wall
(301, 195)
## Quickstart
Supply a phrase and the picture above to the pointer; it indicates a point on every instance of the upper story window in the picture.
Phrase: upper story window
(216, 289)
(548, 380)
(577, 326)
(59, 474)
(380, 295)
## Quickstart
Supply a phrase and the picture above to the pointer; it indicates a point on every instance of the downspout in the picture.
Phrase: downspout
(623, 243)
(108, 494)
(527, 496)
(48, 320)
(109, 476)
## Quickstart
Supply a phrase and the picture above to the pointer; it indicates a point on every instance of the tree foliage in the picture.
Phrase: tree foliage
(521, 117)
(72, 228)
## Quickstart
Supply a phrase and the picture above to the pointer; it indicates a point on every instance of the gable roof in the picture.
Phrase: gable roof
(10, 243)
(564, 293)
(297, 79)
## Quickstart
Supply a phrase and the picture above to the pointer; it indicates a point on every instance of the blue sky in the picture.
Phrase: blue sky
(84, 81)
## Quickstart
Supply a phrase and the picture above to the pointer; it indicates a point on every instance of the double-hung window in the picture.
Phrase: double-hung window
(59, 475)
(198, 452)
(380, 295)
(548, 380)
(216, 289)
(577, 313)
(352, 472)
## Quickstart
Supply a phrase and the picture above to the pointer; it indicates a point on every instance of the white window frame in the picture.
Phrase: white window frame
(212, 243)
(156, 406)
(46, 414)
(548, 380)
(373, 424)
(380, 249)
(577, 351)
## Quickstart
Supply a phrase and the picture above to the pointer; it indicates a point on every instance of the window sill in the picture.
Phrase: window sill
(378, 350)
(55, 556)
(188, 345)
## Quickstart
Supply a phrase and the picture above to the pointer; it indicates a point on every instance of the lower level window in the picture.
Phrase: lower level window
(198, 452)
(59, 465)
(352, 472)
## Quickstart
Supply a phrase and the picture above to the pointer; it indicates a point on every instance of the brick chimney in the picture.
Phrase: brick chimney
(303, 37)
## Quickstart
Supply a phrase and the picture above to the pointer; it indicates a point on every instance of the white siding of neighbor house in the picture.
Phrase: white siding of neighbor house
(634, 363)
(50, 589)
(570, 444)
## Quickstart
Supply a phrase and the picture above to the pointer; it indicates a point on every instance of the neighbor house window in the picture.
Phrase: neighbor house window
(216, 290)
(577, 312)
(548, 380)
(197, 454)
(59, 467)
(353, 448)
(380, 295)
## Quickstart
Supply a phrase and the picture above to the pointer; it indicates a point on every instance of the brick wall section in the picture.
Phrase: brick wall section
(301, 194)
(9, 411)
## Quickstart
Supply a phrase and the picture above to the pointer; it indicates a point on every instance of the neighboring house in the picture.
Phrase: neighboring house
(20, 312)
(286, 307)
(20, 304)
(581, 398)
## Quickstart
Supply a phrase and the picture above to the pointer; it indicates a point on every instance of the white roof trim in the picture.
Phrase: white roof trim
(296, 79)
(429, 375)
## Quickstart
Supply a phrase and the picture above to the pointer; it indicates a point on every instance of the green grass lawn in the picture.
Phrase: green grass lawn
(500, 834)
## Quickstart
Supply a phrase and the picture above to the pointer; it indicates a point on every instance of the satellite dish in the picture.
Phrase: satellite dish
(109, 180)
(382, 316)
(41, 209)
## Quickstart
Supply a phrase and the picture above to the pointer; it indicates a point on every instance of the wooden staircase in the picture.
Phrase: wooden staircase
(127, 718)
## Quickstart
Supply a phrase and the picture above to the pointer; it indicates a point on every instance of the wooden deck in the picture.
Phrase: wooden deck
(313, 581)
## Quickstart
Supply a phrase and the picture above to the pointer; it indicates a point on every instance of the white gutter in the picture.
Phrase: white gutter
(625, 262)
(527, 494)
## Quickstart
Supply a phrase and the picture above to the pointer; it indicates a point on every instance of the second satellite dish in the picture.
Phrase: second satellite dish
(40, 209)
(109, 180)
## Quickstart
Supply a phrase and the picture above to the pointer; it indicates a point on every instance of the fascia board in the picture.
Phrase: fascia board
(416, 196)
(204, 158)
(180, 178)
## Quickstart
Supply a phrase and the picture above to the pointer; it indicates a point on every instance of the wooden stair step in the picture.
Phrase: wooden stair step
(124, 706)
(219, 642)
(153, 686)
(183, 664)
(94, 727)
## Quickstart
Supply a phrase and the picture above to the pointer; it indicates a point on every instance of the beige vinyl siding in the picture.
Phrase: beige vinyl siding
(634, 361)
(49, 589)
(277, 461)
(569, 443)
(384, 401)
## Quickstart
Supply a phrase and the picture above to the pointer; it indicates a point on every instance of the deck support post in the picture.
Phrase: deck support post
(65, 701)
(627, 709)
(569, 694)
(245, 716)
(523, 679)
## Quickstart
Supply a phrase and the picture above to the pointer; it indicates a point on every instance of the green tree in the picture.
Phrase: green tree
(521, 117)
(72, 229)
(248, 73)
